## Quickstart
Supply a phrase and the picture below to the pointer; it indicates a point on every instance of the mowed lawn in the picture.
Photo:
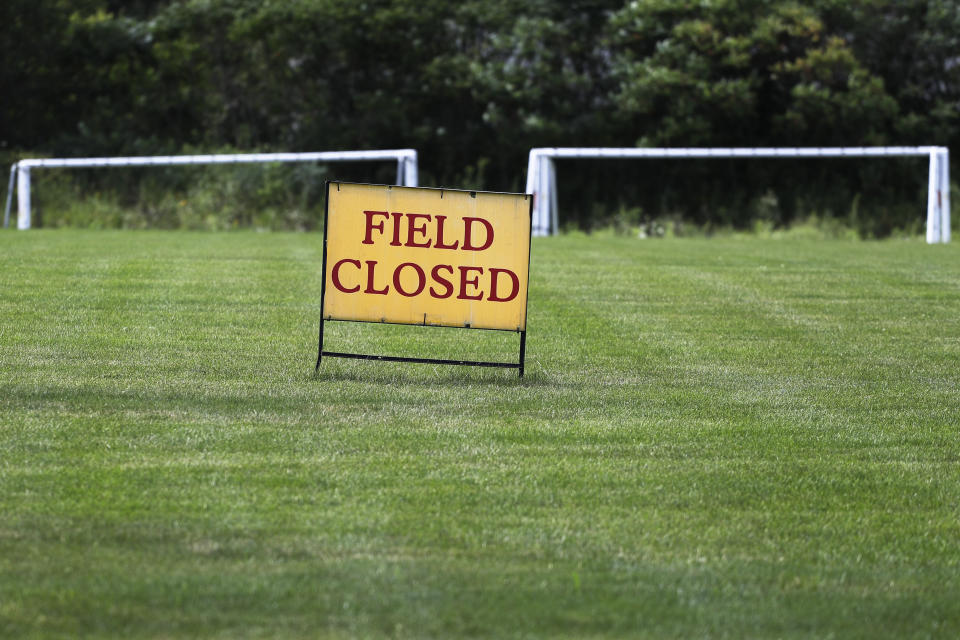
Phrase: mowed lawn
(715, 438)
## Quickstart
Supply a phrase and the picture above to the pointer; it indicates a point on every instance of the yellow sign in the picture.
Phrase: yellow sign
(409, 255)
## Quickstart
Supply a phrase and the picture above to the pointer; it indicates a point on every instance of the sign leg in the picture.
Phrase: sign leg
(319, 346)
(523, 349)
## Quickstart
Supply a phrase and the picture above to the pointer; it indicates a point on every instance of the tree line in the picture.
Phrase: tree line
(473, 85)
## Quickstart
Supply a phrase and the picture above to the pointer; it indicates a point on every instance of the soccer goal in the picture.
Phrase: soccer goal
(542, 174)
(406, 160)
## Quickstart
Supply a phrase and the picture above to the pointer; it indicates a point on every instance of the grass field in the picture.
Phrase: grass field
(716, 438)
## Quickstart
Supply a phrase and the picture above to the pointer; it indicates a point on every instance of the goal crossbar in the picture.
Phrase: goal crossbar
(406, 159)
(542, 180)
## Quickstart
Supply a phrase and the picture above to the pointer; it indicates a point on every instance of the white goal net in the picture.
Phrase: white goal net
(406, 160)
(542, 174)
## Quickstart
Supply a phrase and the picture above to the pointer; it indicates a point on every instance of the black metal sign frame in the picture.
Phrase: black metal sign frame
(519, 365)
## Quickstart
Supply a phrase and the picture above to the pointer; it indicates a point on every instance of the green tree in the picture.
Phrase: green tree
(473, 85)
(763, 73)
(746, 73)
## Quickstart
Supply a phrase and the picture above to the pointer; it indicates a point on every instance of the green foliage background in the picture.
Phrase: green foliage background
(473, 85)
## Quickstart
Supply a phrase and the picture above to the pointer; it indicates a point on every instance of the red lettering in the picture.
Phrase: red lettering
(494, 272)
(367, 239)
(335, 275)
(464, 283)
(421, 279)
(435, 274)
(468, 233)
(396, 229)
(413, 230)
(440, 244)
(371, 265)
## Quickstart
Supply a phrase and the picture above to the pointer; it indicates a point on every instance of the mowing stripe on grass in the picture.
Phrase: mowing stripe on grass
(715, 438)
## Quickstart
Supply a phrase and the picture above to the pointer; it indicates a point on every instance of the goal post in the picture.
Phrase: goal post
(406, 159)
(542, 174)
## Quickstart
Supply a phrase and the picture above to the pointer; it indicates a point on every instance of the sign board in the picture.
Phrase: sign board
(434, 257)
